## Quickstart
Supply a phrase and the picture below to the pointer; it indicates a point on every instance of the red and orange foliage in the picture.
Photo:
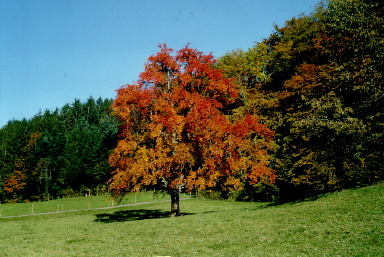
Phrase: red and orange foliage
(17, 181)
(176, 129)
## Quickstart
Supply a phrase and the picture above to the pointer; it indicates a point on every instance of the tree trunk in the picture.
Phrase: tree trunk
(175, 202)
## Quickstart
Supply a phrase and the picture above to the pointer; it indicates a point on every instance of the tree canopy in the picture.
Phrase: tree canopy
(177, 130)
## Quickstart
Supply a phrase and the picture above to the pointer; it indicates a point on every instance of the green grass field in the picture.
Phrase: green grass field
(346, 223)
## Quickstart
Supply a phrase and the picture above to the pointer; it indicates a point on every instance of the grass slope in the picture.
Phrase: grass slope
(347, 223)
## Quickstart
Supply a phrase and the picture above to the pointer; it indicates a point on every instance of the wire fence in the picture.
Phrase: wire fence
(75, 204)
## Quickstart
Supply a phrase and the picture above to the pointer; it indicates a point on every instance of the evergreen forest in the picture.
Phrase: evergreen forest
(317, 82)
(59, 153)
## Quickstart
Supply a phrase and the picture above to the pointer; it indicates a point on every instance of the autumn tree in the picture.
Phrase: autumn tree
(176, 130)
(327, 71)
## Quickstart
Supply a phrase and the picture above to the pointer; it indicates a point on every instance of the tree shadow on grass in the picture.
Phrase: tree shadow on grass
(132, 215)
(298, 200)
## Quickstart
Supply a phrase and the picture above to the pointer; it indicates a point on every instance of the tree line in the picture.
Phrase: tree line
(57, 153)
(296, 115)
(318, 83)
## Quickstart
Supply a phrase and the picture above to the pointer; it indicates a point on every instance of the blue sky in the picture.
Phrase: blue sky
(52, 52)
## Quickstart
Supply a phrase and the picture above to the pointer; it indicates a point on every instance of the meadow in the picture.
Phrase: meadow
(345, 223)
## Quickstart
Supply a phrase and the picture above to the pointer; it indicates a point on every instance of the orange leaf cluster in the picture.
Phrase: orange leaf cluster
(15, 182)
(174, 131)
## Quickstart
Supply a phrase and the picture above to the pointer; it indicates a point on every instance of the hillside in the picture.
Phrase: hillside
(346, 223)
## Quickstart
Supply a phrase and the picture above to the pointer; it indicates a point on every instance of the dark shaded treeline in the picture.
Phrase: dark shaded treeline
(57, 153)
(318, 82)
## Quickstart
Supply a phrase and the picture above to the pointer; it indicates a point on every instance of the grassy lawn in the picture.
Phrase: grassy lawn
(347, 223)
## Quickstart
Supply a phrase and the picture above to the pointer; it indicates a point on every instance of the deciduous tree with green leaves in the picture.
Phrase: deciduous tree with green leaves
(324, 85)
